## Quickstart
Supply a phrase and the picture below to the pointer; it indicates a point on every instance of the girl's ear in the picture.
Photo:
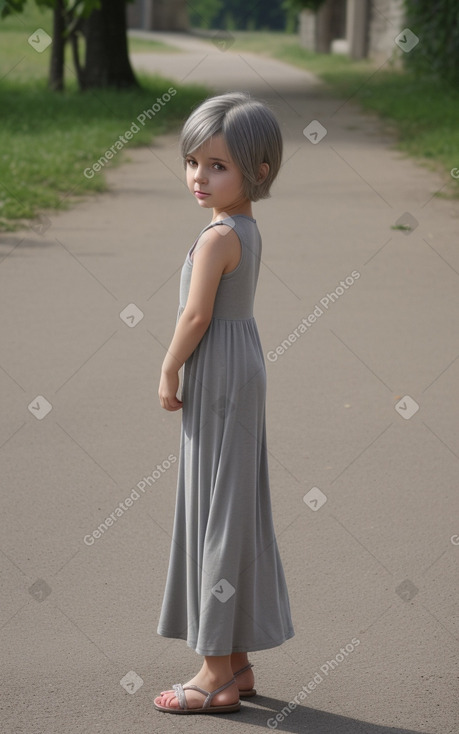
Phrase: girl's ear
(262, 172)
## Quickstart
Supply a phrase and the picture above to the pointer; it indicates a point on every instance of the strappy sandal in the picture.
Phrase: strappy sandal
(206, 708)
(248, 692)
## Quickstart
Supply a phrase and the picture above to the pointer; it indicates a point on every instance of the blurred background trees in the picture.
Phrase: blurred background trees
(96, 30)
(436, 23)
(237, 15)
(97, 33)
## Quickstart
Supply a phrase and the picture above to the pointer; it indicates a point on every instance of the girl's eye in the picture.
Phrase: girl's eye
(218, 166)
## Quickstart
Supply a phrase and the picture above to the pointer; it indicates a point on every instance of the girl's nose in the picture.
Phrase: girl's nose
(199, 175)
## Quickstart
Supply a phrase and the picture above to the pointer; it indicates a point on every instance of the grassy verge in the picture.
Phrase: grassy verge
(137, 44)
(48, 141)
(422, 112)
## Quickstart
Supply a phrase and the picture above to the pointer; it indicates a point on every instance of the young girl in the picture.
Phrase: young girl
(225, 591)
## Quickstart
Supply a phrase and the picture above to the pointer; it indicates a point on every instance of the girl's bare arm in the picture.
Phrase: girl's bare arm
(209, 261)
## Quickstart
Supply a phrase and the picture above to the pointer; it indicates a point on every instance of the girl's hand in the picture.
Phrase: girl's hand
(168, 386)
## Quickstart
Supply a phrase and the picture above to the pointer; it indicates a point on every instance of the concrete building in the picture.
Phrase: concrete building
(158, 15)
(360, 28)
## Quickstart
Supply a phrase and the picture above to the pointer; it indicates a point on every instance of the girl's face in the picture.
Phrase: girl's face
(214, 179)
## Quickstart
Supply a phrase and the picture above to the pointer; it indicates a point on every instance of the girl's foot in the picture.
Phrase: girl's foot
(245, 680)
(195, 699)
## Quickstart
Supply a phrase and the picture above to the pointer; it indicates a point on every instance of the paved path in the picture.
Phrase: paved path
(362, 420)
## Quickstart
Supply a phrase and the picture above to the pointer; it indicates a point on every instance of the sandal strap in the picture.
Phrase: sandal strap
(180, 693)
(242, 670)
(181, 698)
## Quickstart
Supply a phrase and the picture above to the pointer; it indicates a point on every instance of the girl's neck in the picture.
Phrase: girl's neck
(245, 208)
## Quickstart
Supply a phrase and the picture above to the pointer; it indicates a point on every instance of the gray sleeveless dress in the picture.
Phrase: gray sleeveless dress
(225, 589)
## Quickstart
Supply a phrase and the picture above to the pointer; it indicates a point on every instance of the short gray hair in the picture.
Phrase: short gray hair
(250, 131)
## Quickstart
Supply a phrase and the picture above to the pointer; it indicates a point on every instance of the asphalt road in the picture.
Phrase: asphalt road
(362, 431)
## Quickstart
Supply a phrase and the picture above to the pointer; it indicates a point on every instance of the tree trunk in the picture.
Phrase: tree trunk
(56, 67)
(74, 43)
(94, 73)
(107, 61)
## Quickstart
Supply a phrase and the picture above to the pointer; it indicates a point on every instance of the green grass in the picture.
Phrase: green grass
(48, 140)
(423, 113)
(139, 45)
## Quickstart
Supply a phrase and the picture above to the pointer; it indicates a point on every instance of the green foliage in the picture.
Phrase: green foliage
(299, 5)
(48, 139)
(235, 15)
(81, 8)
(230, 23)
(436, 23)
(203, 12)
(291, 16)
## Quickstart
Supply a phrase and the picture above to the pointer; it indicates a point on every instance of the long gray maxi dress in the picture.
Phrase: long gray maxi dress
(225, 589)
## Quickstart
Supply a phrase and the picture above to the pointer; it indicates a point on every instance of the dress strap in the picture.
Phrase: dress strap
(211, 224)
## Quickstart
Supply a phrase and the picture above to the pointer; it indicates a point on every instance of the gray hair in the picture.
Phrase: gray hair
(250, 131)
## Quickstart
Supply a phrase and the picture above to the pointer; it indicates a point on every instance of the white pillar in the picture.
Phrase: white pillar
(307, 29)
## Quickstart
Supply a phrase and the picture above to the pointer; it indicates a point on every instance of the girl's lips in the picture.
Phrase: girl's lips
(201, 194)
